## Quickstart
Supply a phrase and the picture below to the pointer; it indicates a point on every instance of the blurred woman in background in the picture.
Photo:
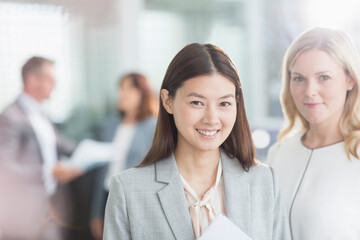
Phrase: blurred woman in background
(131, 131)
(319, 167)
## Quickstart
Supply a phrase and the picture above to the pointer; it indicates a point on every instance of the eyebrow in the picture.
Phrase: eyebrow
(322, 72)
(318, 73)
(201, 96)
(227, 96)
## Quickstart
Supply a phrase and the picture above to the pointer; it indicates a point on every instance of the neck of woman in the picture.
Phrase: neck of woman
(130, 118)
(199, 168)
(322, 135)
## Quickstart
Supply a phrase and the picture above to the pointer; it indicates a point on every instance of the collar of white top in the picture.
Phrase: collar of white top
(29, 104)
(191, 190)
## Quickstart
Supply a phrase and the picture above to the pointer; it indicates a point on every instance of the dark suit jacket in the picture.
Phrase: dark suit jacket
(23, 202)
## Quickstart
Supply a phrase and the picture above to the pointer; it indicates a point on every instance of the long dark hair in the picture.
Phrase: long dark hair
(147, 104)
(192, 61)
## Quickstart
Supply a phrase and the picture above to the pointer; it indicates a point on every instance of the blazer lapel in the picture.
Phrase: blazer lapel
(29, 129)
(237, 192)
(173, 201)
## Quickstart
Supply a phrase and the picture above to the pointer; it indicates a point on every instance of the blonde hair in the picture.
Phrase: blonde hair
(338, 45)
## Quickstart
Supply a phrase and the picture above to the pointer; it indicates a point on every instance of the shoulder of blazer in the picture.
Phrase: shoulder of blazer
(136, 179)
(258, 172)
(15, 115)
(13, 110)
(233, 165)
(160, 172)
(261, 174)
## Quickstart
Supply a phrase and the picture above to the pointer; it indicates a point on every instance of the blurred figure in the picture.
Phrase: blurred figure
(319, 167)
(29, 149)
(131, 131)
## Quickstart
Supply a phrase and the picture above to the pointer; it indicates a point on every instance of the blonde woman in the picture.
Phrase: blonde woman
(319, 167)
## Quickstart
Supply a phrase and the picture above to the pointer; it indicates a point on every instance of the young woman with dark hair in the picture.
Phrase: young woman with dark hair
(201, 163)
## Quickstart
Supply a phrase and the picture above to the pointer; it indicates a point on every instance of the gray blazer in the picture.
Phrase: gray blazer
(149, 203)
(23, 198)
(139, 147)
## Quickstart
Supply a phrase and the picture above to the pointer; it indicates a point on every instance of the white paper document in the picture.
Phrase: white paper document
(90, 153)
(223, 228)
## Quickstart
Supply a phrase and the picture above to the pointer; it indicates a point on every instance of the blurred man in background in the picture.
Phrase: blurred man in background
(30, 147)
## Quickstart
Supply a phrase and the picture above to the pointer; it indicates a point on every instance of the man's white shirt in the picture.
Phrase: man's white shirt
(45, 134)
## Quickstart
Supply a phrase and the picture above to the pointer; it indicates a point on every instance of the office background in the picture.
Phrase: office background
(95, 41)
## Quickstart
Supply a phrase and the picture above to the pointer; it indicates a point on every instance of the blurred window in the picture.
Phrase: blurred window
(34, 29)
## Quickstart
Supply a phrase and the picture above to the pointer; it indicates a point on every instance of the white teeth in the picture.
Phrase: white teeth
(207, 133)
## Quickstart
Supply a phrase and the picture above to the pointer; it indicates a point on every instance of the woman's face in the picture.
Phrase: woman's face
(204, 111)
(129, 97)
(318, 86)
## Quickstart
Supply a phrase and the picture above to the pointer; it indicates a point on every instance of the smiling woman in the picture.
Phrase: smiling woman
(319, 87)
(319, 167)
(201, 163)
(204, 116)
(214, 74)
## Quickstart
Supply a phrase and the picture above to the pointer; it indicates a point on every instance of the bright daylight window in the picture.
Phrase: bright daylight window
(34, 29)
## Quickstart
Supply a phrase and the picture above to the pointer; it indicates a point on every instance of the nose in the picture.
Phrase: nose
(211, 116)
(311, 88)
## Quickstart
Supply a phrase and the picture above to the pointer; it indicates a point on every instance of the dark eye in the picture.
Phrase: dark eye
(225, 104)
(197, 103)
(298, 79)
(324, 77)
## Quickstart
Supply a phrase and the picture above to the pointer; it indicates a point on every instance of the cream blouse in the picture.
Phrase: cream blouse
(203, 211)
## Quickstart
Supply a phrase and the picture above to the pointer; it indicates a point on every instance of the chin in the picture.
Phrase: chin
(315, 121)
(207, 148)
(44, 98)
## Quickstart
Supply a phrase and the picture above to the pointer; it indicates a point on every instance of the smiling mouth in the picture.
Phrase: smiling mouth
(207, 133)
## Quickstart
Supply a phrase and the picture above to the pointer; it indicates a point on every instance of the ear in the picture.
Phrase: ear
(30, 80)
(166, 100)
(350, 83)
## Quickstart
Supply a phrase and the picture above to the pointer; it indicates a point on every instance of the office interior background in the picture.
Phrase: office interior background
(94, 42)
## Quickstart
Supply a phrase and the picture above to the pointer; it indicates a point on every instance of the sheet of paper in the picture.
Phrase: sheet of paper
(90, 153)
(223, 228)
